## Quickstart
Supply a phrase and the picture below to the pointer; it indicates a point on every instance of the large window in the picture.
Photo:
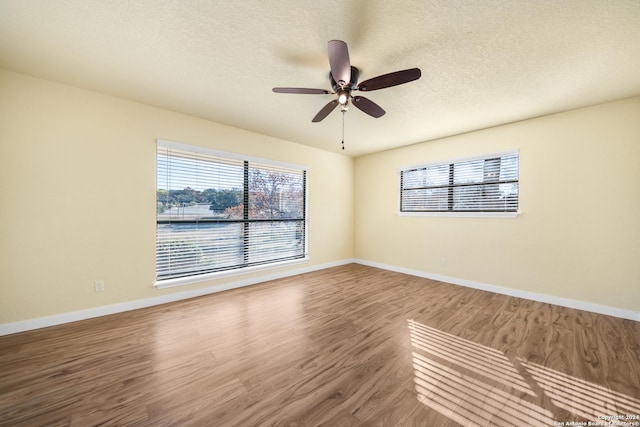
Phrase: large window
(487, 184)
(218, 212)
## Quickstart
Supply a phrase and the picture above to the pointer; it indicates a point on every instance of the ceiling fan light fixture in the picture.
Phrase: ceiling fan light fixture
(343, 97)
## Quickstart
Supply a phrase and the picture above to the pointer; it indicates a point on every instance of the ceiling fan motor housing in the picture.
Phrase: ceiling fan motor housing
(355, 73)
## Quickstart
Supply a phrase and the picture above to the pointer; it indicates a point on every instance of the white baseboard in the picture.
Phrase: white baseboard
(43, 322)
(74, 316)
(550, 299)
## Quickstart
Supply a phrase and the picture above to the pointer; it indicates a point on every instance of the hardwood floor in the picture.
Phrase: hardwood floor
(347, 346)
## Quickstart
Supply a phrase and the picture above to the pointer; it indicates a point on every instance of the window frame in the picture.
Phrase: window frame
(162, 283)
(459, 213)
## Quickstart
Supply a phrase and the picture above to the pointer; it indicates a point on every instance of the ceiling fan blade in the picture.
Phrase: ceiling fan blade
(391, 79)
(368, 106)
(325, 111)
(301, 90)
(339, 62)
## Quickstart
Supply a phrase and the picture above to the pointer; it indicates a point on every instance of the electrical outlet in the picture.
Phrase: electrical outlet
(99, 286)
(443, 262)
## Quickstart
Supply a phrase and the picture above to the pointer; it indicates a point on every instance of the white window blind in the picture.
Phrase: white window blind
(218, 212)
(484, 184)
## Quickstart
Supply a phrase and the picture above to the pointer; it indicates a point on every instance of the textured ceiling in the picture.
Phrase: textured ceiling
(483, 63)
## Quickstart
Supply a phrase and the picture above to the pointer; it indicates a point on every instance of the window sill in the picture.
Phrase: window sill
(463, 214)
(181, 281)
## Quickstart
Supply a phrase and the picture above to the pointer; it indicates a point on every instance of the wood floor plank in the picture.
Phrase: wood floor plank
(350, 345)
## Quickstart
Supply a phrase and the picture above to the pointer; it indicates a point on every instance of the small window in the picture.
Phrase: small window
(487, 184)
(220, 212)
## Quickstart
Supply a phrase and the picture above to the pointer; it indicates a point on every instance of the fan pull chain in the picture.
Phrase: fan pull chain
(343, 111)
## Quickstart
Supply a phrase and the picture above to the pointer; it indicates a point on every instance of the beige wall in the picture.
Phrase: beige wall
(579, 233)
(77, 181)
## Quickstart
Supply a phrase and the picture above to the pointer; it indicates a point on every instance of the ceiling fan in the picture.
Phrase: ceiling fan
(344, 79)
